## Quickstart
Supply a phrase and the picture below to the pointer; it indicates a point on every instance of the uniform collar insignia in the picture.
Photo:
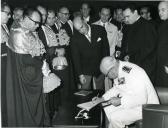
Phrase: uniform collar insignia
(126, 69)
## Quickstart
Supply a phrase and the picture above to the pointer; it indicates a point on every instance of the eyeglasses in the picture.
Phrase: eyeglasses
(109, 71)
(8, 13)
(36, 22)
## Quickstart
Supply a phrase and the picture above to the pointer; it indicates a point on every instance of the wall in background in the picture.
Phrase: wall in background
(74, 5)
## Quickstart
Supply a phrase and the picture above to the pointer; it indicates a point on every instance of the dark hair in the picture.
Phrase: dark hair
(3, 5)
(105, 7)
(29, 12)
(17, 9)
(61, 7)
(86, 4)
(51, 11)
(145, 7)
(132, 7)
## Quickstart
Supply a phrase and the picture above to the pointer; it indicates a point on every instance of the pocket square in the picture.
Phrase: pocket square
(99, 39)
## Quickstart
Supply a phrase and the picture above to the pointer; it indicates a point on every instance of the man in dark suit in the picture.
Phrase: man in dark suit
(162, 50)
(40, 30)
(139, 41)
(63, 20)
(85, 11)
(89, 45)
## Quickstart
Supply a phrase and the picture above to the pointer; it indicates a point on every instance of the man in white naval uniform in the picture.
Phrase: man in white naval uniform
(131, 89)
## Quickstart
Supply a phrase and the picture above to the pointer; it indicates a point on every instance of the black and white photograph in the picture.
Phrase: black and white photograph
(84, 63)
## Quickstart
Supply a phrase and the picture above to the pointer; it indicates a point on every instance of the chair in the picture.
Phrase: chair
(155, 116)
(159, 113)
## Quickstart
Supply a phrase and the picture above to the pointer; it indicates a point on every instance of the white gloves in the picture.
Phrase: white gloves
(45, 68)
(82, 79)
(60, 51)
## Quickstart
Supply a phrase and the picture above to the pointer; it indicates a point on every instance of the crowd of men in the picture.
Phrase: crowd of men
(28, 39)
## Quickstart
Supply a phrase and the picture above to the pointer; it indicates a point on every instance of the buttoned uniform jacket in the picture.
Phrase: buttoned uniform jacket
(112, 34)
(87, 55)
(135, 89)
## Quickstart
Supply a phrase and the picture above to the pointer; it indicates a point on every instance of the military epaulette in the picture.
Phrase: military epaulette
(126, 69)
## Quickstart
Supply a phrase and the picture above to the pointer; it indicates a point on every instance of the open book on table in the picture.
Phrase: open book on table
(89, 105)
(83, 93)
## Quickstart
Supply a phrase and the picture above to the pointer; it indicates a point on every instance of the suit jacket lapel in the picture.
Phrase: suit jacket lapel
(5, 29)
(93, 35)
(85, 39)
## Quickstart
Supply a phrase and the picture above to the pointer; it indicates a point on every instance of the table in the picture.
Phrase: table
(68, 111)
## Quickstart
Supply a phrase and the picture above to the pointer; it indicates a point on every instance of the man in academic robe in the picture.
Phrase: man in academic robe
(63, 22)
(24, 87)
(162, 49)
(139, 41)
(88, 47)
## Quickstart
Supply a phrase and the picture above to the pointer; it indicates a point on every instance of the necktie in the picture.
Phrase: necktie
(104, 25)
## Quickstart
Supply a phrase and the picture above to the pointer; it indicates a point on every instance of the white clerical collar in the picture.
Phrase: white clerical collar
(87, 18)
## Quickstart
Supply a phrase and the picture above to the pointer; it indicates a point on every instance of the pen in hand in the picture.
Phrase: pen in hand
(95, 98)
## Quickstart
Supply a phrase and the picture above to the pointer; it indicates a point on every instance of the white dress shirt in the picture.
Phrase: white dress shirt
(112, 34)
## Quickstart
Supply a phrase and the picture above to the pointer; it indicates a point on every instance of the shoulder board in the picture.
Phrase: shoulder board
(126, 69)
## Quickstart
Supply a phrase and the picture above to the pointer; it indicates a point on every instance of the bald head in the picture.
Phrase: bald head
(163, 10)
(77, 21)
(63, 14)
(109, 67)
(80, 25)
(43, 13)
